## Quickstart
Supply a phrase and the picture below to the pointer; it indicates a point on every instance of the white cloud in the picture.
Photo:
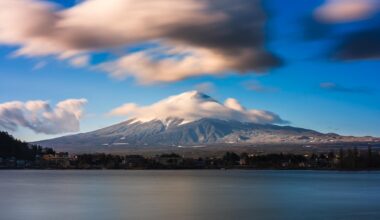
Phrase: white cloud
(180, 64)
(234, 104)
(41, 117)
(204, 37)
(42, 28)
(192, 106)
(80, 61)
(346, 10)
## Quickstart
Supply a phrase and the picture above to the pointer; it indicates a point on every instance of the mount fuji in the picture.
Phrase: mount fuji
(195, 119)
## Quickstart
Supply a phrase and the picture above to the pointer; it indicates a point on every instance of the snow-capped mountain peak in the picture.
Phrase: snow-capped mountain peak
(194, 119)
(192, 106)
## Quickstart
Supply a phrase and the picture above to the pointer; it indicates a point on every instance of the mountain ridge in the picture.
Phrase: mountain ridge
(196, 119)
(202, 132)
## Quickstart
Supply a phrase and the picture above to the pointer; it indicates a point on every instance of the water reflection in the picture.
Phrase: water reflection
(188, 195)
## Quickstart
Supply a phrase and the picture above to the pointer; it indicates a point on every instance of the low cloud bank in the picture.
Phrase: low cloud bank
(41, 117)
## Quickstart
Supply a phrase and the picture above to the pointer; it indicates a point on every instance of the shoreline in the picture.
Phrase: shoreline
(195, 169)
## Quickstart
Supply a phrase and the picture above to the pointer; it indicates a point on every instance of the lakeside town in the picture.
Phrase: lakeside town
(15, 154)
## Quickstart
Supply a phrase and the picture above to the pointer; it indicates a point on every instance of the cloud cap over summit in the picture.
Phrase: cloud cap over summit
(191, 106)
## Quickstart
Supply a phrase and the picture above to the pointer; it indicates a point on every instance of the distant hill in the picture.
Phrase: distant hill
(11, 147)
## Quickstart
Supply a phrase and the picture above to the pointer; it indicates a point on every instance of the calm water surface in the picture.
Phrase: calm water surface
(189, 195)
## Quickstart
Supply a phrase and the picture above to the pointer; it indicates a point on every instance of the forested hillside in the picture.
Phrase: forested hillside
(11, 147)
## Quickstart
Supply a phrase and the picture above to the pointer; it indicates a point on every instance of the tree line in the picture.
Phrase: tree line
(10, 147)
(18, 154)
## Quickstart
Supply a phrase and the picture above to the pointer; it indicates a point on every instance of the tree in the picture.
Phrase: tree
(231, 158)
(369, 157)
(341, 158)
(11, 147)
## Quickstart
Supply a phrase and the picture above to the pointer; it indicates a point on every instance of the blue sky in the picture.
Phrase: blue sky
(350, 105)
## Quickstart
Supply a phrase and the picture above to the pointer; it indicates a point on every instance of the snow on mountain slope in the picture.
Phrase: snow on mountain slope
(192, 106)
(193, 119)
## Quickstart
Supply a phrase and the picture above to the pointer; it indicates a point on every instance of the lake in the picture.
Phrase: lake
(197, 194)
